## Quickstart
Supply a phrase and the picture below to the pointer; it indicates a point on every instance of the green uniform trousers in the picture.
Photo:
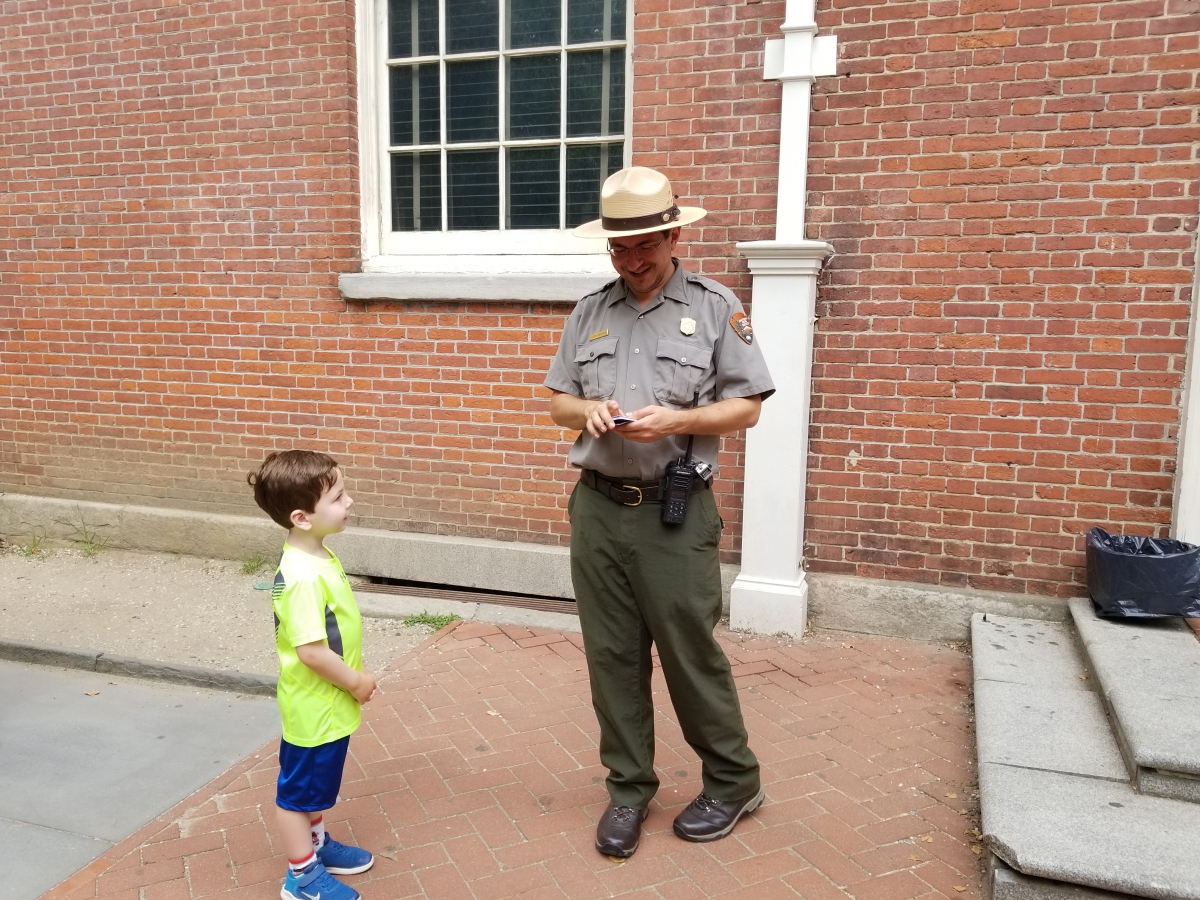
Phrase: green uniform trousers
(638, 582)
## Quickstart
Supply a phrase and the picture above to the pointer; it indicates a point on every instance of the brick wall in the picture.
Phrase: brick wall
(179, 196)
(1011, 187)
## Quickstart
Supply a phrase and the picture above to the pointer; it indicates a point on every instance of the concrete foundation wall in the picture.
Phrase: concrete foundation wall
(918, 611)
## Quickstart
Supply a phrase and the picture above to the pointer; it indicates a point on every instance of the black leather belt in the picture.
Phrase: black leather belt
(629, 492)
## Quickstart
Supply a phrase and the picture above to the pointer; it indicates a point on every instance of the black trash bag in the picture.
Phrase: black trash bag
(1134, 577)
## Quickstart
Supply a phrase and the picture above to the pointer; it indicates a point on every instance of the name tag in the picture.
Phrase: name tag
(595, 336)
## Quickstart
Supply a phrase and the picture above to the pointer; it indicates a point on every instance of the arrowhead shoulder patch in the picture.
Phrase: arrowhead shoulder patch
(742, 327)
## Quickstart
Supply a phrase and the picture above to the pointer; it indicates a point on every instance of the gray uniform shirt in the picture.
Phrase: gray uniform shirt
(682, 341)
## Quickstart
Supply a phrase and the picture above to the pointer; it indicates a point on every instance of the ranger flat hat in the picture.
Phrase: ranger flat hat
(637, 200)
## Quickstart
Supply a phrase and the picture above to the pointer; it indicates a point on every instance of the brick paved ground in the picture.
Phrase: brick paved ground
(475, 775)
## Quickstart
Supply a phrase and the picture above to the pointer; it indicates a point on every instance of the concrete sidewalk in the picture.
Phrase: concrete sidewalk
(476, 775)
(87, 758)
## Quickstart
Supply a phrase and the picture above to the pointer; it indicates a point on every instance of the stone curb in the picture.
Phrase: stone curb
(375, 606)
(111, 664)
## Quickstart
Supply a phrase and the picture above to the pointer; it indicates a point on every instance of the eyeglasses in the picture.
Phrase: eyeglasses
(640, 250)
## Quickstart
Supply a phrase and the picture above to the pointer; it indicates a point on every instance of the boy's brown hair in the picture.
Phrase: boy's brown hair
(291, 480)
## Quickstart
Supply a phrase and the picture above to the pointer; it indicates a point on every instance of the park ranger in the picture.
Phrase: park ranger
(652, 369)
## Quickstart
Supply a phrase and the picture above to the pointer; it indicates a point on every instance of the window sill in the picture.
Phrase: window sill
(543, 279)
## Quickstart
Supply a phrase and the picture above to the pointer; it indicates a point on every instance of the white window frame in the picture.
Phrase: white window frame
(531, 264)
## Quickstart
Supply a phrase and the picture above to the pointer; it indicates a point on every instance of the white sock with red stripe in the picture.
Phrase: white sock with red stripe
(318, 833)
(298, 866)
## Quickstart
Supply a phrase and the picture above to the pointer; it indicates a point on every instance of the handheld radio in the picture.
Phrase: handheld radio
(680, 473)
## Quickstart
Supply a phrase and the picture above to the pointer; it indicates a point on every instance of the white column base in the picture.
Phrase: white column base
(766, 606)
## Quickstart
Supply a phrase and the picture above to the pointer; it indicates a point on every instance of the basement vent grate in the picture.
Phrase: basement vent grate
(377, 585)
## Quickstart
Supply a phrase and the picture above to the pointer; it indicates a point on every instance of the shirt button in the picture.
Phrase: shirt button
(636, 350)
(683, 359)
(633, 387)
(630, 460)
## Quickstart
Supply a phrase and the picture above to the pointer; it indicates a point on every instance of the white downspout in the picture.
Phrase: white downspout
(1185, 511)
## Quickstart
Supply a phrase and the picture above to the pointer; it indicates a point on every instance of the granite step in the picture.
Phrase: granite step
(1148, 675)
(1059, 813)
(1006, 883)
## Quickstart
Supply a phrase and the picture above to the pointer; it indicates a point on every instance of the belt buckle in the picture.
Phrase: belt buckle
(630, 487)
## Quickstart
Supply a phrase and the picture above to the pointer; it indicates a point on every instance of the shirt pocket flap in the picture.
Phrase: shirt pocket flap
(687, 354)
(594, 349)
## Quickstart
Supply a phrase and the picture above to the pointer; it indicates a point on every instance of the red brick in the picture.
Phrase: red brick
(791, 846)
(868, 516)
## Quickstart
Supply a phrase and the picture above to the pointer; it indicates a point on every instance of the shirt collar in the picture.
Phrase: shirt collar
(674, 289)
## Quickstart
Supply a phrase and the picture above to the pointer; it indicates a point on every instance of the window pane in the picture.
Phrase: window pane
(595, 20)
(409, 18)
(400, 104)
(430, 131)
(417, 191)
(472, 25)
(455, 104)
(587, 167)
(533, 187)
(533, 92)
(472, 104)
(533, 23)
(474, 189)
(422, 119)
(595, 92)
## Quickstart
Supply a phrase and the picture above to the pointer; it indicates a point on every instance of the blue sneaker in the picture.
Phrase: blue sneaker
(315, 883)
(340, 859)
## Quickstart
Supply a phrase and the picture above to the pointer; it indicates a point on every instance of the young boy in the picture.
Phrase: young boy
(322, 682)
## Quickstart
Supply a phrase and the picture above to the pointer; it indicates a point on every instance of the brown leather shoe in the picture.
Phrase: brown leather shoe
(706, 819)
(619, 830)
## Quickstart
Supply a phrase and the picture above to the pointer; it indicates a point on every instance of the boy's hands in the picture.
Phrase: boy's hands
(366, 687)
(318, 657)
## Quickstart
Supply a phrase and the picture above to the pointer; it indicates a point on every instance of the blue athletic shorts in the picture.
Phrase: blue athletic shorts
(310, 777)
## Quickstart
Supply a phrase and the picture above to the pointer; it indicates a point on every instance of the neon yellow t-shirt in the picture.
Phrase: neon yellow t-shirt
(313, 602)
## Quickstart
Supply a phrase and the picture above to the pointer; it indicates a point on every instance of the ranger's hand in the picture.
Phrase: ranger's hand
(653, 424)
(599, 417)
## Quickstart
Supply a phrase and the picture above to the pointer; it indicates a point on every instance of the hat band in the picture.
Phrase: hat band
(635, 222)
